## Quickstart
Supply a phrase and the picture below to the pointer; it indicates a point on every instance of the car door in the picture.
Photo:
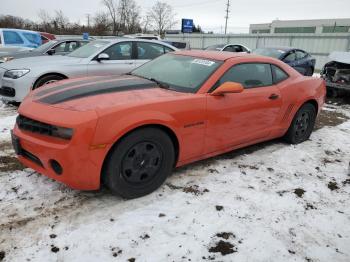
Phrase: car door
(303, 62)
(146, 51)
(120, 60)
(236, 119)
(291, 59)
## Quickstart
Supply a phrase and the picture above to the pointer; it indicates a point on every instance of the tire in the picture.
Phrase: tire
(47, 80)
(139, 163)
(302, 125)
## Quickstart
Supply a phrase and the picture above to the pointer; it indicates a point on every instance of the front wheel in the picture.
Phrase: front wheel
(302, 125)
(139, 163)
(49, 79)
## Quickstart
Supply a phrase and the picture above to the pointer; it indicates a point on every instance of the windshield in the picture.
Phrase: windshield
(89, 49)
(180, 73)
(275, 53)
(215, 47)
(44, 47)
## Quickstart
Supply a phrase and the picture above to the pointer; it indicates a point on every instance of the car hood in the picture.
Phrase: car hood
(22, 54)
(101, 93)
(31, 62)
(340, 57)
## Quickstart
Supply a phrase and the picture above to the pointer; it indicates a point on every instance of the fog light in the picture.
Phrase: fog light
(56, 167)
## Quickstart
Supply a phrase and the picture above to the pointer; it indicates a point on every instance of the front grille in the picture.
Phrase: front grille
(27, 124)
(7, 91)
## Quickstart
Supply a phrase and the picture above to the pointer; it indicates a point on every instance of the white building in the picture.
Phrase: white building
(302, 26)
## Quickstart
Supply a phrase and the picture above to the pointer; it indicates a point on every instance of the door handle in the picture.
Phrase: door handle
(273, 97)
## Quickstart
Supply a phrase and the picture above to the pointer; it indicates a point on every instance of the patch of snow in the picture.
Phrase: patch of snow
(273, 200)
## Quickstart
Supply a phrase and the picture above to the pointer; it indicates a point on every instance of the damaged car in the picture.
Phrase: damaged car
(336, 73)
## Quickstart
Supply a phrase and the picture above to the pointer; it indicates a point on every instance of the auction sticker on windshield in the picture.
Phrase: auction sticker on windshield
(203, 62)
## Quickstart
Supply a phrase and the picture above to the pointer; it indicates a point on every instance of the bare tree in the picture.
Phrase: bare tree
(162, 17)
(60, 21)
(146, 21)
(45, 20)
(112, 6)
(101, 23)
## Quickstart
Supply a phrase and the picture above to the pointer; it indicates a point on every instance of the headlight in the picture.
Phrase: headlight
(16, 73)
(6, 59)
(62, 132)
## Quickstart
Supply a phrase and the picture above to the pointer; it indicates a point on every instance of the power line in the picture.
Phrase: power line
(226, 17)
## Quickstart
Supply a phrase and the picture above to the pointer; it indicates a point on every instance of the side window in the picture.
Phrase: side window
(61, 47)
(291, 57)
(11, 38)
(278, 74)
(238, 48)
(149, 50)
(229, 49)
(34, 39)
(249, 75)
(120, 51)
(300, 55)
(72, 46)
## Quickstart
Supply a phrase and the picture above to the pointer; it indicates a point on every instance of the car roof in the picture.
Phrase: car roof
(71, 39)
(20, 30)
(283, 48)
(212, 55)
(125, 39)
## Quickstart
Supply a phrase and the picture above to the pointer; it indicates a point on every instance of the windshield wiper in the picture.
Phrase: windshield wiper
(160, 84)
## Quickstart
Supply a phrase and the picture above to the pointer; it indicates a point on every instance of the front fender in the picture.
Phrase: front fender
(112, 127)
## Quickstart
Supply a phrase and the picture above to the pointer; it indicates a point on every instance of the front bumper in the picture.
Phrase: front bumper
(15, 90)
(81, 165)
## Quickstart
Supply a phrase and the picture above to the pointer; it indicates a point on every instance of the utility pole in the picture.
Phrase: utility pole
(226, 17)
(88, 19)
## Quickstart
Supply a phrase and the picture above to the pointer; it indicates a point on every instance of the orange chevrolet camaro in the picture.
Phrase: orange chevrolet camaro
(129, 132)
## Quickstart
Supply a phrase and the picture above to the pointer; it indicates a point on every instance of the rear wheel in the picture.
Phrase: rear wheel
(302, 125)
(49, 79)
(139, 163)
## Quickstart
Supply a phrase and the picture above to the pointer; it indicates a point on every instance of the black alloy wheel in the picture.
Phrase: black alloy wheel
(139, 163)
(302, 125)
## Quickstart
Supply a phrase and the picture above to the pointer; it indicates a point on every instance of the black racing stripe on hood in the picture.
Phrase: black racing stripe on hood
(97, 89)
(46, 91)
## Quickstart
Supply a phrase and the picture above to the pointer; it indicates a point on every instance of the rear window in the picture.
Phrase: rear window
(271, 52)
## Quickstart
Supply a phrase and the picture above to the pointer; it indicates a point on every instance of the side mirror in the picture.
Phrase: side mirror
(51, 52)
(228, 88)
(102, 56)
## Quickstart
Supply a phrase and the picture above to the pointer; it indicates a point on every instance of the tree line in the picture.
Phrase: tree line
(118, 17)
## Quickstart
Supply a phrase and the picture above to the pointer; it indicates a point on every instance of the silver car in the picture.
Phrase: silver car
(98, 58)
(229, 48)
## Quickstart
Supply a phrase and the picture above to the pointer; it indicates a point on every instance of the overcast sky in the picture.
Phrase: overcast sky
(208, 14)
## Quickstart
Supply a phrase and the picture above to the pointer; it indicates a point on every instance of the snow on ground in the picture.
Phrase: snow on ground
(8, 116)
(269, 202)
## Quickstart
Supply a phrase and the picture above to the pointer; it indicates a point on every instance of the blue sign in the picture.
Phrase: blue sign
(187, 26)
(86, 36)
